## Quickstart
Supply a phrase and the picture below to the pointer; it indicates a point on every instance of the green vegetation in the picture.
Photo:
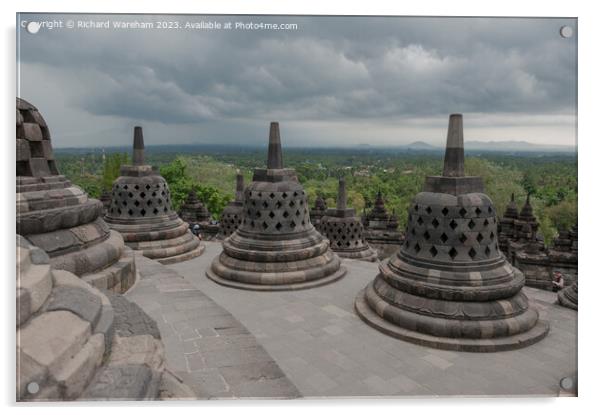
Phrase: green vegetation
(551, 179)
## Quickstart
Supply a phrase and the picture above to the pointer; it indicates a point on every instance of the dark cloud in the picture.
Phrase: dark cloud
(337, 70)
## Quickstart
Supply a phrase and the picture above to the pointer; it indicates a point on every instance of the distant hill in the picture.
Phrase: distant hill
(421, 145)
(514, 146)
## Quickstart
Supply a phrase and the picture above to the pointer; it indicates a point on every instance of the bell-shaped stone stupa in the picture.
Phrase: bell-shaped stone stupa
(141, 211)
(449, 286)
(316, 213)
(381, 229)
(59, 217)
(193, 210)
(231, 217)
(276, 247)
(344, 230)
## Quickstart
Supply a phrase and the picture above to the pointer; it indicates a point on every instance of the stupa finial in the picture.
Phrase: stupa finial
(240, 187)
(342, 196)
(275, 147)
(512, 197)
(138, 155)
(453, 165)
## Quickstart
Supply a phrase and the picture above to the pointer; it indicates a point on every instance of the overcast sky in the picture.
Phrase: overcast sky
(334, 81)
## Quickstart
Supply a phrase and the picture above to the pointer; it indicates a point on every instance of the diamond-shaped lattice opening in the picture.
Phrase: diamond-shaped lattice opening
(435, 223)
(143, 212)
(278, 204)
(272, 195)
(444, 237)
(142, 195)
(155, 211)
(453, 224)
(295, 194)
(433, 251)
(413, 231)
(471, 224)
(147, 187)
(291, 204)
(478, 211)
(258, 214)
(154, 194)
(130, 212)
(491, 236)
(407, 244)
(486, 222)
(284, 195)
(125, 187)
(297, 213)
(489, 209)
(265, 204)
(420, 221)
(278, 226)
(429, 210)
(149, 202)
(453, 253)
(416, 208)
(124, 203)
(136, 203)
(271, 214)
(293, 224)
(487, 251)
(165, 209)
(445, 211)
(426, 235)
(264, 225)
(472, 253)
(136, 187)
(480, 237)
(160, 201)
(417, 247)
(162, 193)
(463, 238)
(130, 195)
(285, 214)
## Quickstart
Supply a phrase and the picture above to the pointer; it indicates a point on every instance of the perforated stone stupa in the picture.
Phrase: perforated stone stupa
(59, 217)
(276, 247)
(232, 214)
(449, 286)
(319, 210)
(344, 230)
(193, 210)
(381, 230)
(141, 211)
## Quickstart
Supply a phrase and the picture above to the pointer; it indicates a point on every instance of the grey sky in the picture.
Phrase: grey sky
(333, 81)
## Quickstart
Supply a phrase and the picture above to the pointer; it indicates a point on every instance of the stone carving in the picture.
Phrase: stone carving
(141, 212)
(449, 286)
(59, 217)
(568, 296)
(199, 220)
(276, 247)
(233, 212)
(344, 230)
(67, 340)
(381, 229)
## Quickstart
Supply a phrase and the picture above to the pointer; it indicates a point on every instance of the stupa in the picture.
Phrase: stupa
(568, 296)
(344, 230)
(141, 211)
(59, 217)
(276, 247)
(506, 228)
(449, 286)
(193, 210)
(316, 213)
(232, 214)
(381, 229)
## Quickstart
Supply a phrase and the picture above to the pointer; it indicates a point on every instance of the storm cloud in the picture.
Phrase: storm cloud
(333, 81)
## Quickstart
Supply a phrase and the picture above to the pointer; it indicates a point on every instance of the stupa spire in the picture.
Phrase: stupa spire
(240, 187)
(342, 196)
(453, 166)
(138, 153)
(275, 147)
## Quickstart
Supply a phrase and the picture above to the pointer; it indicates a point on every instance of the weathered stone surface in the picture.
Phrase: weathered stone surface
(78, 301)
(54, 214)
(381, 229)
(129, 382)
(130, 319)
(449, 286)
(232, 215)
(276, 247)
(141, 212)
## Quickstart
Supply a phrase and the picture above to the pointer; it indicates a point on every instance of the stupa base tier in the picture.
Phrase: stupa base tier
(198, 251)
(119, 277)
(294, 286)
(516, 341)
(368, 255)
(568, 298)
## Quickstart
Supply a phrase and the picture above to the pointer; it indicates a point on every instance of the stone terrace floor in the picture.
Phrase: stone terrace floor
(322, 346)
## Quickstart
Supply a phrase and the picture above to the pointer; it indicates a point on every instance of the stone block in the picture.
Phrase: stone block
(37, 281)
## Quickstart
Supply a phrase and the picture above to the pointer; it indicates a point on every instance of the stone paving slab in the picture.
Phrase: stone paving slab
(206, 347)
(326, 350)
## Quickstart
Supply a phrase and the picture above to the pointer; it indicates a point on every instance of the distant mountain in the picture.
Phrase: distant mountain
(514, 146)
(420, 145)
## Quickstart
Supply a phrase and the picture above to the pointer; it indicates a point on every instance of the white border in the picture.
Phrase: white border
(590, 203)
